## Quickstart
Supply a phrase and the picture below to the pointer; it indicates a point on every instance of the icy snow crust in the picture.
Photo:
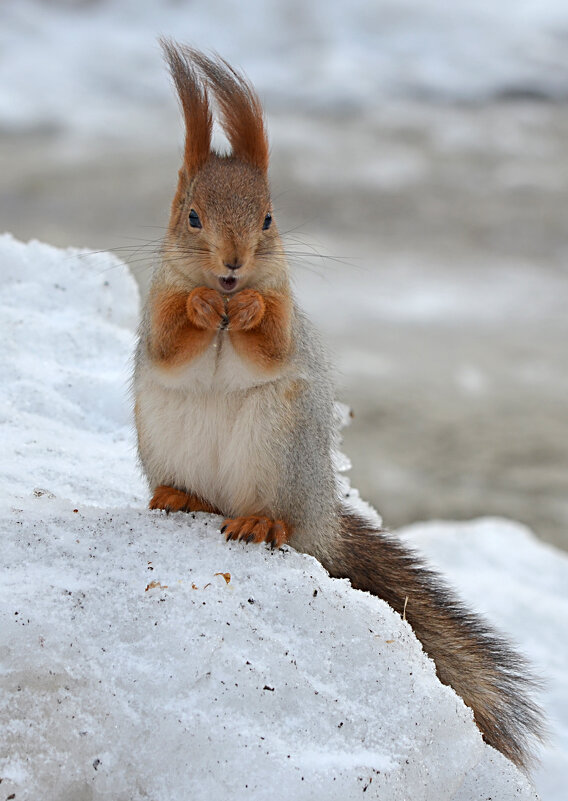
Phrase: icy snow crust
(142, 657)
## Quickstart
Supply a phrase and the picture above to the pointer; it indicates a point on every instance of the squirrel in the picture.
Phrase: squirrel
(234, 402)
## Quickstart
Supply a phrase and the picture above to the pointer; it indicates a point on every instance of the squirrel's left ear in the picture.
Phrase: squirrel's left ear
(193, 100)
(241, 111)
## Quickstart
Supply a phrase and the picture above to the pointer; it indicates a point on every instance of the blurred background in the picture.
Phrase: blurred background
(420, 176)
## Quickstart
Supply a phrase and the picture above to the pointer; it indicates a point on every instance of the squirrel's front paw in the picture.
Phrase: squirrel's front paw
(245, 310)
(205, 308)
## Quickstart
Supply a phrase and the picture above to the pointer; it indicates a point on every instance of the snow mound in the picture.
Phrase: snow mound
(68, 321)
(142, 657)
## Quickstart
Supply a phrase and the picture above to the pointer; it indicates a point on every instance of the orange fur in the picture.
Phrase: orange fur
(257, 529)
(174, 500)
(263, 339)
(182, 325)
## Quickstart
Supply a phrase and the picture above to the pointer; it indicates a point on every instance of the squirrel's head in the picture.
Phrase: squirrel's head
(221, 232)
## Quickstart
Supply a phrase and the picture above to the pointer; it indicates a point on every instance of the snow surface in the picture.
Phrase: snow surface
(95, 67)
(142, 657)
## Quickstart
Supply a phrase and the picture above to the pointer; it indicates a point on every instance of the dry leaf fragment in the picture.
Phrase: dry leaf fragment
(226, 576)
(153, 585)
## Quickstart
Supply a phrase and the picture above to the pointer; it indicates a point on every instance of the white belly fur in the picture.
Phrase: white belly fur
(208, 428)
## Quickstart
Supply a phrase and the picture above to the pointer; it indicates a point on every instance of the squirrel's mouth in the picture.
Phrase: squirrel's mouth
(228, 283)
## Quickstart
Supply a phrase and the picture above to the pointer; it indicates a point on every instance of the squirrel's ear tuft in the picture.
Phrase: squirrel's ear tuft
(240, 107)
(193, 100)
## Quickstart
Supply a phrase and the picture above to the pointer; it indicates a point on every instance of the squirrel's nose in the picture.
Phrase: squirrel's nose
(234, 265)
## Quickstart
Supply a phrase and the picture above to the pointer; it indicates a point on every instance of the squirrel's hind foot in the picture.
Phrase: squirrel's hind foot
(256, 529)
(174, 500)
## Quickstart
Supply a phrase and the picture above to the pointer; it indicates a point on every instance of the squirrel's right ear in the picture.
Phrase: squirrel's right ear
(196, 112)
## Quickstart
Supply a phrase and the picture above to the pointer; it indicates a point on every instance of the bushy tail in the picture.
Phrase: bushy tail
(481, 666)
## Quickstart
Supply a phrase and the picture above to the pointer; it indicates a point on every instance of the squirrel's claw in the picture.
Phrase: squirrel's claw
(256, 529)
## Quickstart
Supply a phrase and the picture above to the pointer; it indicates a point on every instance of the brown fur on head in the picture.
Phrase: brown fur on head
(221, 232)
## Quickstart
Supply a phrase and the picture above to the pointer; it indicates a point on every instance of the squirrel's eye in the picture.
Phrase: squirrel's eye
(194, 220)
(267, 221)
